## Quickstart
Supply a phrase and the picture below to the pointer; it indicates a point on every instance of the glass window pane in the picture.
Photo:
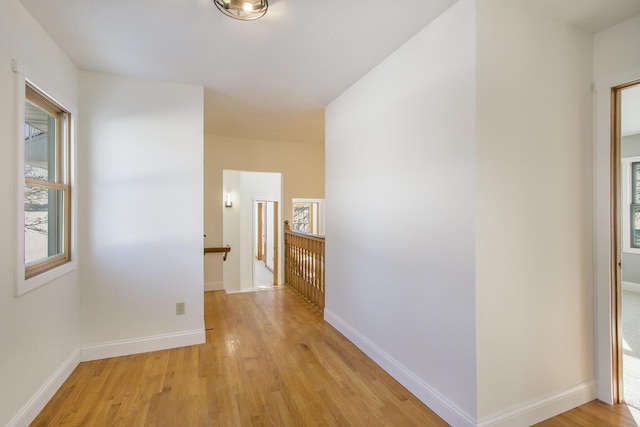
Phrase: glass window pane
(39, 144)
(301, 218)
(635, 180)
(43, 223)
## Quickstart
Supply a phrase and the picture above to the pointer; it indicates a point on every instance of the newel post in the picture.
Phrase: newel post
(286, 225)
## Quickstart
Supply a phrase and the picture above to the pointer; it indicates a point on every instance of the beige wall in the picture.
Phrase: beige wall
(534, 225)
(301, 165)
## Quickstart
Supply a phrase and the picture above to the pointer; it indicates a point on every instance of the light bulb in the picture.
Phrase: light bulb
(247, 7)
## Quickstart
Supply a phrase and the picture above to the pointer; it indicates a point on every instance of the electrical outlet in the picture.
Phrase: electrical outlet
(179, 308)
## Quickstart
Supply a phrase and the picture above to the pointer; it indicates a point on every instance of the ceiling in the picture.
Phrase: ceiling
(590, 15)
(270, 78)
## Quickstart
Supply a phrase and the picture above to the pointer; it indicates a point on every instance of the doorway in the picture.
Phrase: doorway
(265, 243)
(626, 292)
(239, 227)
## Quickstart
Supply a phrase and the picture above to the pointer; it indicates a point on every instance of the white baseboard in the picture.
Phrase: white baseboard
(631, 286)
(100, 351)
(213, 286)
(545, 408)
(430, 397)
(38, 401)
(243, 291)
(527, 414)
(141, 345)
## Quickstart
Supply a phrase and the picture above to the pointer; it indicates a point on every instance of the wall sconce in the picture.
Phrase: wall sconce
(227, 201)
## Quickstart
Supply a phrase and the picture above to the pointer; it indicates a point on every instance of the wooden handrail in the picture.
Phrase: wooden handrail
(225, 250)
(304, 265)
(309, 236)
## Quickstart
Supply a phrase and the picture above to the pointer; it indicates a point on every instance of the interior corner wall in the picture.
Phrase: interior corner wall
(400, 208)
(534, 224)
(616, 60)
(40, 329)
(301, 165)
(141, 161)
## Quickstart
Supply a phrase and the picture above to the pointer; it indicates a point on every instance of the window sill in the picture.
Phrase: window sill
(23, 286)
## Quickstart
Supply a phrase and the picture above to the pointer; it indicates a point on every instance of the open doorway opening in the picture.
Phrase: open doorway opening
(240, 223)
(265, 220)
(627, 301)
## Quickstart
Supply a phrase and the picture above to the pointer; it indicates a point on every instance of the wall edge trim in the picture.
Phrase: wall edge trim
(141, 345)
(41, 397)
(425, 393)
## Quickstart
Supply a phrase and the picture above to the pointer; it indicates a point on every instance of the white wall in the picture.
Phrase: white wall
(40, 329)
(534, 225)
(142, 214)
(231, 232)
(616, 61)
(400, 209)
(239, 221)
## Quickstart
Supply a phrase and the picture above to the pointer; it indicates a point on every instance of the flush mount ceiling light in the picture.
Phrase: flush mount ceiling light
(245, 10)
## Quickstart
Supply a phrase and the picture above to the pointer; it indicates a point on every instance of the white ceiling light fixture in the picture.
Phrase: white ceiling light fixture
(244, 10)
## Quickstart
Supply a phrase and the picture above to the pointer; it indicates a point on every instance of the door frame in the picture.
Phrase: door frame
(616, 239)
(260, 218)
(607, 280)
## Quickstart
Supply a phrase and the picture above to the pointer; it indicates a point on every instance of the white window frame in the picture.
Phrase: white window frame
(626, 188)
(23, 285)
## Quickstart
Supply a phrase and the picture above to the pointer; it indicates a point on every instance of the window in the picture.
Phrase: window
(302, 217)
(634, 224)
(307, 216)
(46, 196)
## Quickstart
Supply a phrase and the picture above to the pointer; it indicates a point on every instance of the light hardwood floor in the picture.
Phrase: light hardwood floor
(269, 360)
(596, 414)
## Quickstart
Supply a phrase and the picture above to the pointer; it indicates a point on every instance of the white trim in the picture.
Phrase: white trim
(631, 287)
(249, 290)
(22, 285)
(542, 409)
(141, 345)
(41, 397)
(430, 397)
(213, 286)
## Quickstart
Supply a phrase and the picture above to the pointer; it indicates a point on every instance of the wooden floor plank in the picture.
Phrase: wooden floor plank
(270, 359)
(596, 414)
